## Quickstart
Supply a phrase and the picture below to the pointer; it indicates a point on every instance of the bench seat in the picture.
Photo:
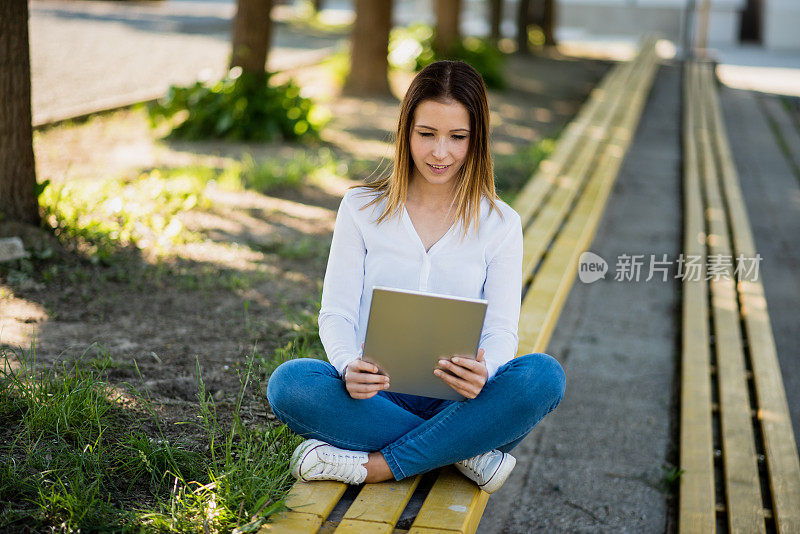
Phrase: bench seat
(737, 448)
(560, 208)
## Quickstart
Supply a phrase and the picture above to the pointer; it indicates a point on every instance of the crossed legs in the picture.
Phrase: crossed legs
(310, 397)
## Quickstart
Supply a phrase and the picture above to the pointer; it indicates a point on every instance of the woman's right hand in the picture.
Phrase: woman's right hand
(362, 379)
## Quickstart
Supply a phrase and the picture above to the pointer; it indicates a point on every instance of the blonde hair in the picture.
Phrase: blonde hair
(443, 81)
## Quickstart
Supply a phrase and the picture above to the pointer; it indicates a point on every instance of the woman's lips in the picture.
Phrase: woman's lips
(438, 171)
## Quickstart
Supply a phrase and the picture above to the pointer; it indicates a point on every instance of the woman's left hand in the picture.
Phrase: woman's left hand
(466, 376)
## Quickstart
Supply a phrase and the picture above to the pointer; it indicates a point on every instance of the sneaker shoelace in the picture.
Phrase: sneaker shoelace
(339, 464)
(477, 464)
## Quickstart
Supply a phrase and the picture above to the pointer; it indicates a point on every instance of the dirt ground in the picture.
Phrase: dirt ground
(228, 294)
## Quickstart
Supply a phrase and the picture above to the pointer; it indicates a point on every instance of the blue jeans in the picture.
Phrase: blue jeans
(417, 434)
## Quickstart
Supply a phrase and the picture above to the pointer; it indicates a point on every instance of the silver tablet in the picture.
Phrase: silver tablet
(409, 331)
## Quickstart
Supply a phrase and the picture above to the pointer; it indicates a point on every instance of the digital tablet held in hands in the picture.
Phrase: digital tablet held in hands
(408, 332)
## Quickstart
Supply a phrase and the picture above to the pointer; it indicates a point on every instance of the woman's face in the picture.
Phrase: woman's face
(439, 140)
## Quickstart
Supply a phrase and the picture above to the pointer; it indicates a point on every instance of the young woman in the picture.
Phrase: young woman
(433, 224)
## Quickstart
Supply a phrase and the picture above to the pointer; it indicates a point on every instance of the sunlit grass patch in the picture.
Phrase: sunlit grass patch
(247, 478)
(338, 66)
(57, 447)
(101, 216)
(64, 402)
(304, 167)
(74, 458)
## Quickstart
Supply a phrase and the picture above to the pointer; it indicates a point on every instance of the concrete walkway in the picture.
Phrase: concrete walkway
(595, 463)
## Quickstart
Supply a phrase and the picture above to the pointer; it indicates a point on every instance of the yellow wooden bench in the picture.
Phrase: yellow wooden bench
(560, 208)
(737, 447)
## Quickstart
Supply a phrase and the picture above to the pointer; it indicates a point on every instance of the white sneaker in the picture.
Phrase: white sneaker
(489, 470)
(316, 460)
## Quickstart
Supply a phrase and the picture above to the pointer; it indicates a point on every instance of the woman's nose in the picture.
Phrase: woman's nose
(440, 149)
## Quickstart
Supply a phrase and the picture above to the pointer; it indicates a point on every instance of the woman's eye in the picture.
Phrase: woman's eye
(429, 134)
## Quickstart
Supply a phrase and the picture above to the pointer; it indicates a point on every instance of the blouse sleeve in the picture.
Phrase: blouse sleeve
(503, 290)
(341, 291)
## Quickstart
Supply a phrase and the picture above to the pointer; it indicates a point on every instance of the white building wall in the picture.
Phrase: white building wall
(781, 24)
(636, 17)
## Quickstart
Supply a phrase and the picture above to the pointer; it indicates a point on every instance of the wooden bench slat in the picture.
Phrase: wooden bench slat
(783, 463)
(378, 503)
(317, 498)
(742, 488)
(549, 289)
(354, 526)
(309, 504)
(293, 523)
(554, 279)
(454, 503)
(567, 184)
(530, 198)
(696, 507)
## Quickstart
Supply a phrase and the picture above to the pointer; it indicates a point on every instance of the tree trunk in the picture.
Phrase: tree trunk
(369, 64)
(18, 200)
(448, 15)
(549, 22)
(523, 20)
(495, 20)
(318, 5)
(251, 35)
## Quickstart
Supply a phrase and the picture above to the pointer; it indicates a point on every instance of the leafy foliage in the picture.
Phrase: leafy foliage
(240, 107)
(412, 48)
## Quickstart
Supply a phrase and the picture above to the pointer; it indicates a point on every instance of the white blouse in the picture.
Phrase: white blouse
(364, 255)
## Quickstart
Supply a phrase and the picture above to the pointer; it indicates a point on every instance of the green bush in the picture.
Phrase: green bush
(240, 107)
(411, 48)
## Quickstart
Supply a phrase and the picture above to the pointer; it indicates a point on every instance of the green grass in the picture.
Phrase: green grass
(74, 456)
(670, 478)
(305, 166)
(111, 223)
(247, 480)
(102, 218)
(513, 171)
(304, 248)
